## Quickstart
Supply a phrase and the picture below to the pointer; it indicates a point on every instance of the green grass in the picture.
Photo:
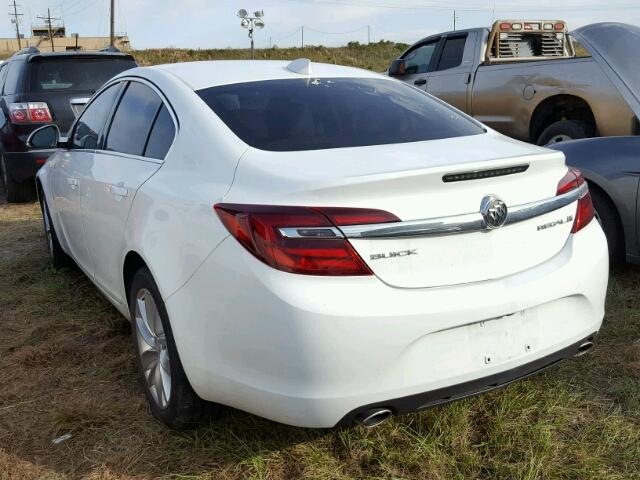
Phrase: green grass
(376, 56)
(66, 366)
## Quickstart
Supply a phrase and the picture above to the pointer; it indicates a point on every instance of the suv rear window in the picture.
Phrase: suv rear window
(74, 73)
(315, 114)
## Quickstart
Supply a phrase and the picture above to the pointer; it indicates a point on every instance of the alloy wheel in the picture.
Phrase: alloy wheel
(152, 348)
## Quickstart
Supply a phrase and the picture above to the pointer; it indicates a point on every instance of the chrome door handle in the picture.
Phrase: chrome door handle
(73, 182)
(118, 191)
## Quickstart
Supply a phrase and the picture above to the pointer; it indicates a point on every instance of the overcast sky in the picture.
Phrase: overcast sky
(213, 24)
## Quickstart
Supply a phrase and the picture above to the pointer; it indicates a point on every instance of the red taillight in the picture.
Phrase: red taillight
(303, 240)
(559, 26)
(585, 211)
(32, 112)
(505, 26)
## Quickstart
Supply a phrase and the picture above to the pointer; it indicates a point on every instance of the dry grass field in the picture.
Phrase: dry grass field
(67, 367)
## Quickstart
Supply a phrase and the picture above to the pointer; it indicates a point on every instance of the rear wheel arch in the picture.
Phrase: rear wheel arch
(557, 108)
(133, 262)
(603, 200)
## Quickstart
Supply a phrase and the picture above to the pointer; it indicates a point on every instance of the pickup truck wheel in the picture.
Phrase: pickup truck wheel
(16, 192)
(564, 131)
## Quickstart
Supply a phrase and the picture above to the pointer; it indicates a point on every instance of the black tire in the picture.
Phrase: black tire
(59, 259)
(609, 219)
(17, 192)
(183, 408)
(565, 130)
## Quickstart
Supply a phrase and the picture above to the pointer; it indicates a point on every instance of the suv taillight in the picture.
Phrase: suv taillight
(31, 112)
(303, 240)
(585, 212)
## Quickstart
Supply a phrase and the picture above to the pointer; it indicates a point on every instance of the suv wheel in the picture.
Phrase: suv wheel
(16, 192)
(169, 394)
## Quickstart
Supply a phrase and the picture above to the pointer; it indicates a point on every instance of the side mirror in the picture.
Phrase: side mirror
(44, 138)
(397, 68)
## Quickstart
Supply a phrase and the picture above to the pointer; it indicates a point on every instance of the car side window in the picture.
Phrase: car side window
(133, 120)
(162, 134)
(452, 53)
(87, 129)
(13, 77)
(3, 75)
(418, 60)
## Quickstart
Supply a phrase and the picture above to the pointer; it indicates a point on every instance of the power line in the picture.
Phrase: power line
(337, 33)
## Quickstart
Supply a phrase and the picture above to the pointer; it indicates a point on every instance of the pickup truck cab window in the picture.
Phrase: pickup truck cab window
(452, 52)
(419, 59)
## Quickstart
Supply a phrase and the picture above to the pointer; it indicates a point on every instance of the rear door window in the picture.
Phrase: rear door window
(162, 135)
(93, 118)
(452, 53)
(75, 74)
(133, 120)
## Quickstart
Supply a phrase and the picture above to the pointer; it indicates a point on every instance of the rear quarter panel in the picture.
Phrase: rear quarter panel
(172, 224)
(499, 98)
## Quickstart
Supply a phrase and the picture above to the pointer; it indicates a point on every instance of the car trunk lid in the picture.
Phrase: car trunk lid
(408, 181)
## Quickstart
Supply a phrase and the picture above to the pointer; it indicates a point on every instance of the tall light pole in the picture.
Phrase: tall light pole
(251, 23)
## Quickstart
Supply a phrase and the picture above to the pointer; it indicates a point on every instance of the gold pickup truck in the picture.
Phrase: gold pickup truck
(533, 80)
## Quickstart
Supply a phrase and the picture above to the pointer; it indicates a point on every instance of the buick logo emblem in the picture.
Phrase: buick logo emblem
(494, 211)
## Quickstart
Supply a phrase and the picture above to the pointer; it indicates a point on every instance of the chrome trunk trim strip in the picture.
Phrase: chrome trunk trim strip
(471, 222)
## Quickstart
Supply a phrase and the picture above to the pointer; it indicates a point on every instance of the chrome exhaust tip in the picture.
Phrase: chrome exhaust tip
(374, 417)
(584, 348)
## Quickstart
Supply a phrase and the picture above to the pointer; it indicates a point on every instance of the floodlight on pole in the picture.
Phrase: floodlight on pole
(251, 23)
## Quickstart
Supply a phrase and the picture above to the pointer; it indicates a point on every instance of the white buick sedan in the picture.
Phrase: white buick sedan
(318, 244)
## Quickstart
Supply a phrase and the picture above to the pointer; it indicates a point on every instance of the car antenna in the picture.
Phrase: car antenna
(301, 66)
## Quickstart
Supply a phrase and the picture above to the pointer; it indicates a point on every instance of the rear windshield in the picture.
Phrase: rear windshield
(314, 114)
(75, 74)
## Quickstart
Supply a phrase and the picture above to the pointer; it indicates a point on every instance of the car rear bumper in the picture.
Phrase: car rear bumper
(23, 166)
(314, 351)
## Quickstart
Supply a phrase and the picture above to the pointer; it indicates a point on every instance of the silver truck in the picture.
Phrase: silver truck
(533, 80)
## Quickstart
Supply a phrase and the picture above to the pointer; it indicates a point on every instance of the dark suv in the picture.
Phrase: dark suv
(39, 88)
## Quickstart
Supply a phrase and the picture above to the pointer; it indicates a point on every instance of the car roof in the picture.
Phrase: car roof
(32, 53)
(200, 75)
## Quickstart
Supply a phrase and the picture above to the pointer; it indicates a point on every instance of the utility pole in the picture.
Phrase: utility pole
(112, 24)
(16, 19)
(302, 36)
(48, 19)
(454, 20)
(368, 34)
